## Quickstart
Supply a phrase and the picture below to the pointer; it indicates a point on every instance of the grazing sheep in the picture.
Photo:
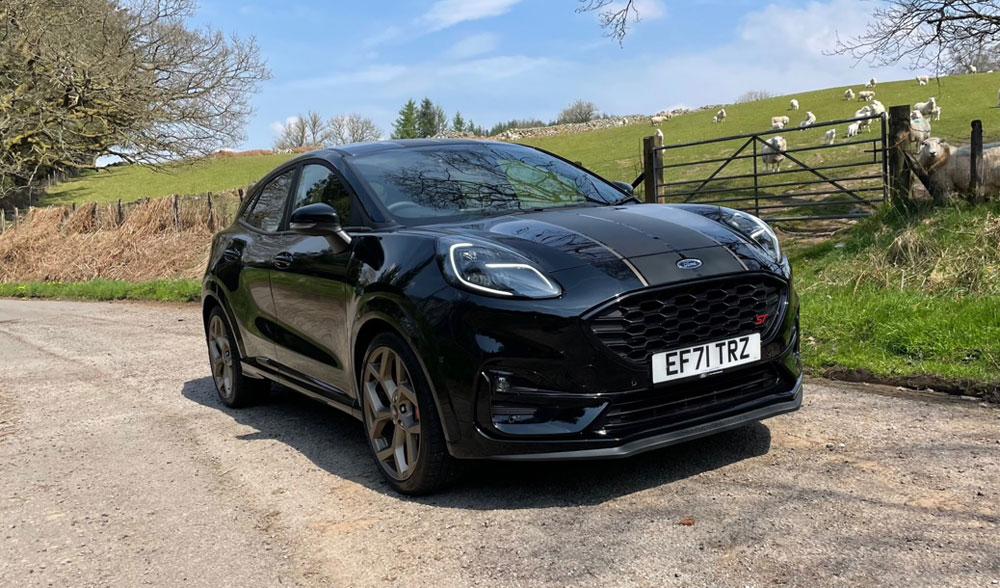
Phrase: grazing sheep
(936, 113)
(623, 122)
(852, 129)
(772, 153)
(721, 115)
(948, 166)
(715, 119)
(871, 83)
(655, 120)
(793, 104)
(659, 134)
(779, 119)
(830, 136)
(973, 69)
(809, 121)
(866, 95)
(923, 80)
(926, 108)
(849, 94)
(777, 126)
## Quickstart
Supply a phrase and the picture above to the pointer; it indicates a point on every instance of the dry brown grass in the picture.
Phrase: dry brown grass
(148, 240)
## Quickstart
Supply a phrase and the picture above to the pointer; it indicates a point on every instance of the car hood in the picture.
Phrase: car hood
(644, 241)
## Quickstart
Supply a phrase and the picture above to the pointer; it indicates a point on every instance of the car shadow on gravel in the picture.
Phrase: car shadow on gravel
(334, 441)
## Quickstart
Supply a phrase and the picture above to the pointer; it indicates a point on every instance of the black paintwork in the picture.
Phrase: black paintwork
(304, 314)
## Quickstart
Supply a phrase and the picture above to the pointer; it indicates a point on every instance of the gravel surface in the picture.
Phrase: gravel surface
(118, 467)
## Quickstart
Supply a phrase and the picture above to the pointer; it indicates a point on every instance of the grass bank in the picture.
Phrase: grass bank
(98, 289)
(906, 299)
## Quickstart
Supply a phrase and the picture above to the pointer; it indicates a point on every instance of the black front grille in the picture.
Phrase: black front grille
(655, 320)
(650, 410)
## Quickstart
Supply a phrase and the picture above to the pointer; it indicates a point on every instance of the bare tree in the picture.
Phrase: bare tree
(615, 16)
(308, 130)
(352, 128)
(753, 96)
(578, 112)
(85, 78)
(921, 32)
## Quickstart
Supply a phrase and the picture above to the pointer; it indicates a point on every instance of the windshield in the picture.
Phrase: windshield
(429, 184)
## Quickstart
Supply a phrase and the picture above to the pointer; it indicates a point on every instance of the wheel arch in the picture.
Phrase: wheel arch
(384, 315)
(213, 296)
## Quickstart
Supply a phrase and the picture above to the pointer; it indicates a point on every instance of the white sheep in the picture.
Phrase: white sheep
(659, 134)
(852, 129)
(655, 120)
(926, 108)
(624, 122)
(715, 119)
(923, 80)
(783, 120)
(866, 95)
(936, 113)
(721, 115)
(849, 94)
(777, 126)
(871, 83)
(772, 153)
(793, 104)
(973, 69)
(830, 136)
(809, 121)
(876, 108)
(920, 129)
(948, 166)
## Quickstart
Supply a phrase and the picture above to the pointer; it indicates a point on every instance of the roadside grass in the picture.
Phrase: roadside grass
(133, 182)
(908, 297)
(99, 289)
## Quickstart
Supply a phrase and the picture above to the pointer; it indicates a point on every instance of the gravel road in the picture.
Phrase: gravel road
(118, 467)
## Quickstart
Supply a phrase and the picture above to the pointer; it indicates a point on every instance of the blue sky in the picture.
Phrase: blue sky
(500, 59)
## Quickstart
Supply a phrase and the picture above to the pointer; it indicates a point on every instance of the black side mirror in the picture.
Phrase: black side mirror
(320, 220)
(625, 186)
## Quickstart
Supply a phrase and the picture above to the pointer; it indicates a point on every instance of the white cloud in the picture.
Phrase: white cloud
(277, 127)
(445, 13)
(473, 45)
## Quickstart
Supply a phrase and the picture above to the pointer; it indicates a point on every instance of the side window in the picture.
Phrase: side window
(266, 212)
(319, 184)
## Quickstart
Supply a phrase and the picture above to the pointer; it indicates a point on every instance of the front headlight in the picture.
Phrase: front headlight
(754, 229)
(493, 270)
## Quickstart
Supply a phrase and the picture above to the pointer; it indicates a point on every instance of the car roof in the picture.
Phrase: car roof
(355, 149)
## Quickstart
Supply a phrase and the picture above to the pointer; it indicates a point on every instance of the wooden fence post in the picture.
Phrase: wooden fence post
(900, 182)
(211, 213)
(976, 161)
(648, 169)
(17, 219)
(177, 213)
(239, 192)
(3, 220)
(120, 218)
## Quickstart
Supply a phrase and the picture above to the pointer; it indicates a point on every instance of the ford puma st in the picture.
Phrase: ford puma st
(471, 299)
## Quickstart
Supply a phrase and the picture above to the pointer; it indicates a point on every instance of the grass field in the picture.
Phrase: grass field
(132, 182)
(163, 290)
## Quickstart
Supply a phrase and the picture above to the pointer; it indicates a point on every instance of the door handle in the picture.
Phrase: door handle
(231, 254)
(282, 260)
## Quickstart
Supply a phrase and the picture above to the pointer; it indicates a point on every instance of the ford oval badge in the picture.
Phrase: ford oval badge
(689, 263)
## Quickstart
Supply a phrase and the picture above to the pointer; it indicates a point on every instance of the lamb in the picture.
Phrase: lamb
(849, 94)
(871, 83)
(923, 80)
(973, 69)
(925, 108)
(715, 119)
(866, 95)
(655, 120)
(936, 113)
(876, 108)
(809, 121)
(783, 120)
(830, 136)
(624, 122)
(948, 166)
(793, 104)
(772, 154)
(777, 126)
(852, 129)
(721, 115)
(920, 130)
(659, 134)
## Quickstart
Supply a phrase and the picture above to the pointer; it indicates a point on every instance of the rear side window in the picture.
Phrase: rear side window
(269, 207)
(319, 184)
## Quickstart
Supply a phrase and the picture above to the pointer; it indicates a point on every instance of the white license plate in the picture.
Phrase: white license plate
(705, 358)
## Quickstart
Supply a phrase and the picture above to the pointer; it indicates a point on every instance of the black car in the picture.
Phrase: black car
(472, 299)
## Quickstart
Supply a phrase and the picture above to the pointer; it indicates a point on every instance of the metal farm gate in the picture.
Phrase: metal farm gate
(815, 180)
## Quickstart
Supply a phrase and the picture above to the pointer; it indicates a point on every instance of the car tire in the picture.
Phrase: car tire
(235, 389)
(400, 418)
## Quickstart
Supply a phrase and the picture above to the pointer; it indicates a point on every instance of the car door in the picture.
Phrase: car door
(311, 285)
(245, 264)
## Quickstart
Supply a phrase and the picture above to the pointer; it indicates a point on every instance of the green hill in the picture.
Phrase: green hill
(614, 153)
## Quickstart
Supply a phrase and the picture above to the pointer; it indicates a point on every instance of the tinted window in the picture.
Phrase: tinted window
(319, 184)
(429, 184)
(266, 212)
